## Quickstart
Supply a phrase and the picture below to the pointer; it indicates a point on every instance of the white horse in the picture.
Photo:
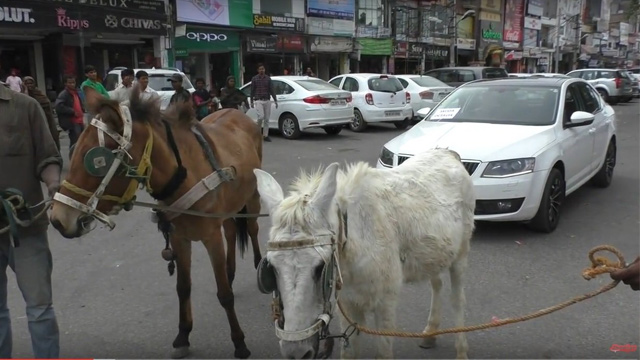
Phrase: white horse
(406, 224)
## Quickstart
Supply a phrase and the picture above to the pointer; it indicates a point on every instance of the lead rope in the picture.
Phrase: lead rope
(599, 266)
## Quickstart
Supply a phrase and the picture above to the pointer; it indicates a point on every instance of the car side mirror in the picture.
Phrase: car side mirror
(580, 118)
(424, 112)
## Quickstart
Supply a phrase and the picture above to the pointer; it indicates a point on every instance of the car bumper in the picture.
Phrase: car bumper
(319, 123)
(380, 114)
(510, 199)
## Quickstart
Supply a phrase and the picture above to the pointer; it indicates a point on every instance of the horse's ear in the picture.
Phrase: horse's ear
(269, 189)
(323, 198)
(92, 98)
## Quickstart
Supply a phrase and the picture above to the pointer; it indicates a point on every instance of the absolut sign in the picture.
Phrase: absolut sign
(16, 15)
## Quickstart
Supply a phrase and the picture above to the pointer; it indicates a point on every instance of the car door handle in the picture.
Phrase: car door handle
(281, 97)
(592, 130)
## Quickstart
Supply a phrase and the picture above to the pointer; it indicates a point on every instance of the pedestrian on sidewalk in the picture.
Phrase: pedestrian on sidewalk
(70, 110)
(122, 92)
(146, 92)
(231, 97)
(201, 99)
(181, 93)
(261, 92)
(43, 100)
(92, 81)
(14, 81)
(29, 154)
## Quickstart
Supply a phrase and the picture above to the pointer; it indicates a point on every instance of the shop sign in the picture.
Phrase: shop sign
(330, 27)
(155, 6)
(273, 44)
(331, 44)
(436, 52)
(344, 9)
(466, 44)
(53, 15)
(490, 34)
(382, 47)
(491, 5)
(532, 23)
(278, 22)
(197, 39)
(236, 13)
(16, 15)
(407, 50)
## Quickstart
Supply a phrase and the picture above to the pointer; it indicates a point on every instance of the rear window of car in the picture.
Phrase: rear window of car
(427, 81)
(313, 85)
(493, 73)
(385, 84)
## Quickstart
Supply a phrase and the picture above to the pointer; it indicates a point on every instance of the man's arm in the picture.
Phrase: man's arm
(272, 92)
(46, 155)
(253, 90)
(61, 107)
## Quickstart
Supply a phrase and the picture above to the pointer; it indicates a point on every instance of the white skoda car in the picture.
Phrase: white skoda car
(526, 142)
(376, 98)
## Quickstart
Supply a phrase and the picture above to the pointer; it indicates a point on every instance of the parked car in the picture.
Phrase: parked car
(526, 75)
(376, 98)
(526, 143)
(614, 85)
(456, 76)
(635, 85)
(306, 103)
(425, 91)
(158, 81)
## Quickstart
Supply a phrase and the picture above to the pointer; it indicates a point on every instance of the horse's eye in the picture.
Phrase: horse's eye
(317, 272)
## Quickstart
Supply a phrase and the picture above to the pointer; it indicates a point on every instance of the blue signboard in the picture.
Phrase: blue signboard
(332, 9)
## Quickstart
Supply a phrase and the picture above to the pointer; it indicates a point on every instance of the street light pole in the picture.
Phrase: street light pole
(557, 56)
(452, 47)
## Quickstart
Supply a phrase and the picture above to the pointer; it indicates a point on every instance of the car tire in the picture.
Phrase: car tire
(604, 95)
(402, 124)
(548, 216)
(604, 176)
(289, 127)
(357, 124)
(332, 130)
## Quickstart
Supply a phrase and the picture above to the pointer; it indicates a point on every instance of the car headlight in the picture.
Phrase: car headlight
(386, 157)
(507, 168)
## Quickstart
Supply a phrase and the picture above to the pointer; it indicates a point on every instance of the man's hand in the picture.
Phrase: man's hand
(276, 104)
(51, 177)
(53, 189)
(252, 104)
(629, 275)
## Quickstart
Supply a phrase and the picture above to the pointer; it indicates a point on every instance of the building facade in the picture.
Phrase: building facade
(48, 39)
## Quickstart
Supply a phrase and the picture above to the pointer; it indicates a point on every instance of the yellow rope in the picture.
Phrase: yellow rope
(599, 265)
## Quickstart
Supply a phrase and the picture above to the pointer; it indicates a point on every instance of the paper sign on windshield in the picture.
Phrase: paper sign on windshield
(444, 114)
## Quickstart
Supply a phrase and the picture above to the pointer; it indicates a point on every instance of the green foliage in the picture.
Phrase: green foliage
(634, 9)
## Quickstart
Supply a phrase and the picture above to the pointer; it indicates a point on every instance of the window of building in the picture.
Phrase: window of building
(370, 13)
(407, 21)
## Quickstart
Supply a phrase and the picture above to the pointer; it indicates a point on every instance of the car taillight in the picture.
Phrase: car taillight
(349, 99)
(426, 95)
(317, 99)
(618, 82)
(408, 97)
(369, 99)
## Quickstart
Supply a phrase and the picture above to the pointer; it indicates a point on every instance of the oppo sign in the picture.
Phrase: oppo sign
(206, 37)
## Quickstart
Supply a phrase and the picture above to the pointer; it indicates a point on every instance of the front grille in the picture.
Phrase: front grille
(471, 166)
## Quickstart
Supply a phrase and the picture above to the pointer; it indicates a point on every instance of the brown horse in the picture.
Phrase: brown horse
(164, 142)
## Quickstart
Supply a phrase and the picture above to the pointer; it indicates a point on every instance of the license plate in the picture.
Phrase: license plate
(338, 102)
(392, 113)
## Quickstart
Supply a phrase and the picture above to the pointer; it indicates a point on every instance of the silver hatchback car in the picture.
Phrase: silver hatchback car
(613, 85)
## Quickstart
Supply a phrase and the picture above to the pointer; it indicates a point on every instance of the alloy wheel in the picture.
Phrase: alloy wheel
(610, 161)
(555, 200)
(288, 127)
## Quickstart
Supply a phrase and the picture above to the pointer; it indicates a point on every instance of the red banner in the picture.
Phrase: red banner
(513, 21)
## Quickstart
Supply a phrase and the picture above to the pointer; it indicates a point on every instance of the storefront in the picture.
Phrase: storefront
(75, 33)
(374, 55)
(329, 56)
(407, 58)
(275, 52)
(209, 53)
(437, 56)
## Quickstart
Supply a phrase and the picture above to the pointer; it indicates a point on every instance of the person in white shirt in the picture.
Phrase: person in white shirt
(146, 92)
(122, 93)
(14, 81)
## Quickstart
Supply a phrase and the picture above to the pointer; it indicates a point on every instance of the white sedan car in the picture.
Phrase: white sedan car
(376, 98)
(426, 91)
(305, 103)
(526, 143)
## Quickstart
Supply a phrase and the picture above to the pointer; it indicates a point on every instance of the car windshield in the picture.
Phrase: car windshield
(385, 84)
(428, 81)
(499, 104)
(159, 82)
(314, 85)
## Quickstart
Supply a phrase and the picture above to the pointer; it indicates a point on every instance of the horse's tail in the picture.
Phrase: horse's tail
(242, 232)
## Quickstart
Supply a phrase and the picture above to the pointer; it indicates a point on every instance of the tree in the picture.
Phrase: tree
(634, 9)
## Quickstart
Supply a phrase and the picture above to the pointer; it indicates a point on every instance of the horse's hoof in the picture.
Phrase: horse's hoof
(242, 353)
(428, 343)
(180, 352)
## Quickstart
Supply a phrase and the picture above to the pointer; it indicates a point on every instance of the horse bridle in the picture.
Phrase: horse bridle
(138, 174)
(323, 320)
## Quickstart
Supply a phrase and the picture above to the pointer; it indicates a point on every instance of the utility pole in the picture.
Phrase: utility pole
(576, 56)
(557, 56)
(454, 40)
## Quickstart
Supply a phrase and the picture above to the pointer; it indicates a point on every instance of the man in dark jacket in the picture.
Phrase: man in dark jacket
(28, 156)
(70, 110)
(181, 93)
(43, 100)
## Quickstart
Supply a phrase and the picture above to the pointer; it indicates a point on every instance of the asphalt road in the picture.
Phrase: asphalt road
(115, 299)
